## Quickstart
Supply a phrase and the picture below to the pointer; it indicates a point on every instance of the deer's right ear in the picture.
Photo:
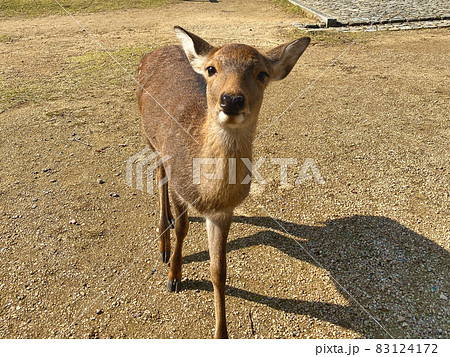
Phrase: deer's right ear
(196, 49)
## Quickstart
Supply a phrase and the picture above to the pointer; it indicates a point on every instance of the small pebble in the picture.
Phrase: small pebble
(100, 181)
(113, 194)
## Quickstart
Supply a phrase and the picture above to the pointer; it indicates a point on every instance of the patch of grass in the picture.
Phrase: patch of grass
(53, 114)
(327, 36)
(95, 72)
(289, 7)
(35, 8)
(88, 75)
(98, 64)
(5, 38)
(16, 93)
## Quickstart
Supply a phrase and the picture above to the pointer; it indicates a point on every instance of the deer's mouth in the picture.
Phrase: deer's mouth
(231, 119)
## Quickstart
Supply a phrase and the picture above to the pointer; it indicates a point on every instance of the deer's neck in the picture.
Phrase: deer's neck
(225, 142)
(229, 188)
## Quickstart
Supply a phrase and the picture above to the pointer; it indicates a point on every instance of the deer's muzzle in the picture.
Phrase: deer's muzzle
(231, 104)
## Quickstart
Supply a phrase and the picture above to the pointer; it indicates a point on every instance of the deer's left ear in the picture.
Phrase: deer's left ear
(283, 58)
(196, 48)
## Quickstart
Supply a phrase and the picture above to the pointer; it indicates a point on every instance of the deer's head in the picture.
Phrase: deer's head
(237, 75)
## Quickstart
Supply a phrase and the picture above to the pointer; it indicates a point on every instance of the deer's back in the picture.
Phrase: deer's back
(172, 101)
(171, 98)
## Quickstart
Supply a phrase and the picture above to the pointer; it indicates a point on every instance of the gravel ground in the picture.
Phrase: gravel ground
(364, 255)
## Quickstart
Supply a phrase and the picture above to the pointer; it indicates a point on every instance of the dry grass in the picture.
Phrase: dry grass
(34, 8)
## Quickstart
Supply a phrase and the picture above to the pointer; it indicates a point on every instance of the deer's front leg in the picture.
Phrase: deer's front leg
(218, 227)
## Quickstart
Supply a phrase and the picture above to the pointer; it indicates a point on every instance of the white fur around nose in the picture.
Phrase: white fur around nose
(225, 118)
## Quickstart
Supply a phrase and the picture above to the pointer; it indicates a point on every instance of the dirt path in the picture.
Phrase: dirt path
(366, 254)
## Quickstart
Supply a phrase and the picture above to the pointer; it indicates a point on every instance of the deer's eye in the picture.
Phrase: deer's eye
(262, 76)
(211, 71)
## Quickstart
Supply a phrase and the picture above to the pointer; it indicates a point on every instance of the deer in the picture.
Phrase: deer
(198, 101)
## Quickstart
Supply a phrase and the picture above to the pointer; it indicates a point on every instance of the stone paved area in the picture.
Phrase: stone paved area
(398, 26)
(357, 12)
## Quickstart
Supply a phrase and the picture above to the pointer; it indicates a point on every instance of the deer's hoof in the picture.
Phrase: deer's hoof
(165, 256)
(172, 223)
(174, 286)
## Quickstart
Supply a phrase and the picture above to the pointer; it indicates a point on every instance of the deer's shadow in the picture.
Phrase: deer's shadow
(395, 280)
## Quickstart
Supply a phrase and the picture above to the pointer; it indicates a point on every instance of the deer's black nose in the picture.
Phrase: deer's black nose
(231, 104)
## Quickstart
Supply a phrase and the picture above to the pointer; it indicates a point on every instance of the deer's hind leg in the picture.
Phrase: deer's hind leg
(181, 229)
(166, 218)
